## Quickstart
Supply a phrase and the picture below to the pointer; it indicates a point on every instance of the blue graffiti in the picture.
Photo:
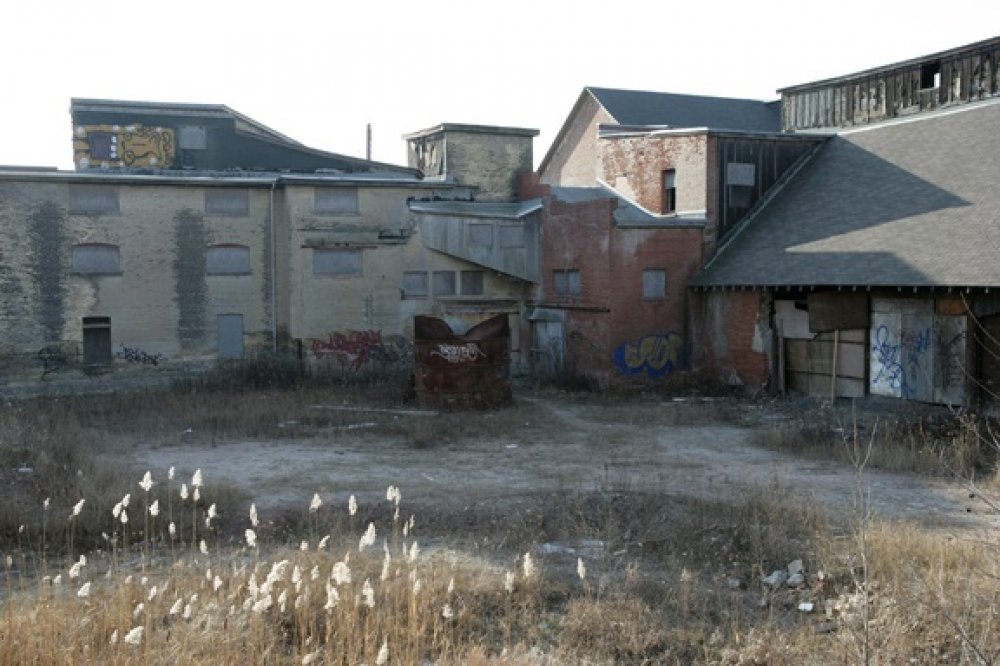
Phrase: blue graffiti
(903, 375)
(654, 355)
(887, 355)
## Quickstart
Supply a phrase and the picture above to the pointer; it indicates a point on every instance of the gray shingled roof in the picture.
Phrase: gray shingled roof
(913, 203)
(636, 107)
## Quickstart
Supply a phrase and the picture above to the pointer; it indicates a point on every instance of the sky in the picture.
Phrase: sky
(320, 71)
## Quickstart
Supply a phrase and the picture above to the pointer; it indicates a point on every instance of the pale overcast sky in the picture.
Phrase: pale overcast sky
(319, 71)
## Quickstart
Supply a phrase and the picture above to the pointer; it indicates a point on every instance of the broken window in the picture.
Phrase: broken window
(227, 260)
(93, 199)
(566, 282)
(930, 75)
(415, 284)
(96, 259)
(654, 283)
(669, 195)
(472, 283)
(227, 201)
(337, 261)
(335, 200)
(444, 283)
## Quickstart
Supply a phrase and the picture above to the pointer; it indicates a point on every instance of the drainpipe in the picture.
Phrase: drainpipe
(274, 267)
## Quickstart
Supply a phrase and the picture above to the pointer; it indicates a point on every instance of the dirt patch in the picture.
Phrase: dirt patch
(548, 445)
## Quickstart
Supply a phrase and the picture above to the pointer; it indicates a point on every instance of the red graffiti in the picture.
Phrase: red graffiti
(351, 347)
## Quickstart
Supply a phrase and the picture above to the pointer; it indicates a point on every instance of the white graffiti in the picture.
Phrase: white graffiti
(464, 353)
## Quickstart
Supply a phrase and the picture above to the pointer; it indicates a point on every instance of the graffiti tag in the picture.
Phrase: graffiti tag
(355, 349)
(654, 355)
(462, 353)
(887, 359)
(53, 359)
(133, 355)
(901, 366)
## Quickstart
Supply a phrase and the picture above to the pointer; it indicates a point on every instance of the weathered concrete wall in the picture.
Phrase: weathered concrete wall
(731, 334)
(373, 299)
(492, 162)
(574, 161)
(160, 300)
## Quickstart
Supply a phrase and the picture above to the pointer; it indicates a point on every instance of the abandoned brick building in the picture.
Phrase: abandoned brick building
(840, 241)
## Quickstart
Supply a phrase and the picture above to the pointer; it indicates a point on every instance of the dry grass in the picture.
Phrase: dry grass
(668, 579)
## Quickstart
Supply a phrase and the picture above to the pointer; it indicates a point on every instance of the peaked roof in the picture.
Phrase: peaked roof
(637, 107)
(909, 203)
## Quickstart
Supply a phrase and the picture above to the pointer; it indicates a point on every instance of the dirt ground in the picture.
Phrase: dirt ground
(547, 444)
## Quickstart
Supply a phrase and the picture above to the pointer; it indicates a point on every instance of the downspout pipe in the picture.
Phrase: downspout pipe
(274, 267)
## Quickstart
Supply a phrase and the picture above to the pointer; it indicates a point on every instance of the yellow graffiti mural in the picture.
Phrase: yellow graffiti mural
(654, 355)
(116, 146)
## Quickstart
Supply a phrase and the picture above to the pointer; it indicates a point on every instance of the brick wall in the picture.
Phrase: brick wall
(731, 334)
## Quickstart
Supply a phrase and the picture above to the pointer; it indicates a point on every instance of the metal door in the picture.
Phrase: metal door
(230, 336)
(549, 347)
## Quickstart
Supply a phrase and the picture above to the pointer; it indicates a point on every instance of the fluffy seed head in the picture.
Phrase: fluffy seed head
(170, 473)
(45, 504)
(447, 613)
(134, 637)
(352, 505)
(581, 570)
(176, 608)
(368, 538)
(315, 504)
(508, 581)
(383, 654)
(172, 529)
(196, 479)
(251, 538)
(184, 491)
(147, 482)
(154, 508)
(84, 590)
(529, 566)
(253, 515)
(322, 542)
(77, 508)
(126, 499)
(203, 547)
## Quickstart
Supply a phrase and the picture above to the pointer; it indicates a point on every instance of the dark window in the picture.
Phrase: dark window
(567, 282)
(930, 75)
(93, 199)
(97, 341)
(96, 259)
(337, 261)
(654, 283)
(472, 283)
(227, 260)
(415, 284)
(225, 201)
(103, 146)
(335, 200)
(444, 283)
(669, 201)
(741, 177)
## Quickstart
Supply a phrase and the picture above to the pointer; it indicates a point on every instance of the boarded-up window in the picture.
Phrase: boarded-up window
(337, 261)
(444, 283)
(234, 202)
(415, 284)
(93, 199)
(96, 259)
(472, 283)
(97, 341)
(511, 236)
(481, 235)
(654, 283)
(192, 137)
(335, 200)
(567, 282)
(227, 260)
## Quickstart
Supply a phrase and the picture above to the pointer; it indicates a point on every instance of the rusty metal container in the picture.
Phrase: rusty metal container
(462, 370)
